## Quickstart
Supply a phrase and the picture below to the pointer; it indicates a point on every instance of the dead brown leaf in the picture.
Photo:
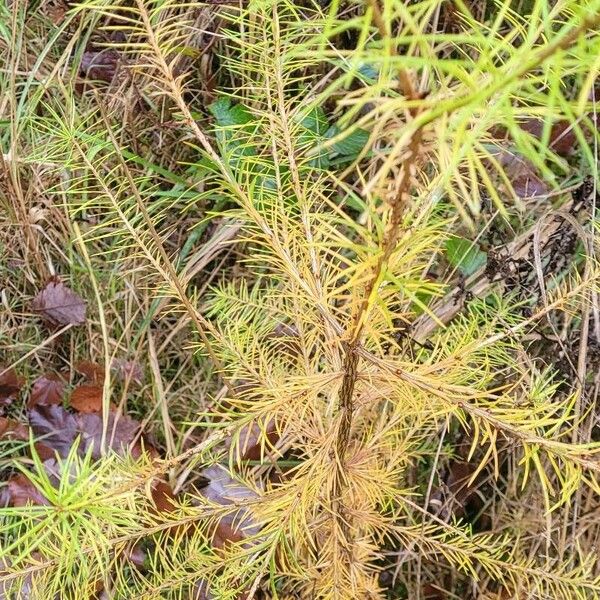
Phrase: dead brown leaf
(522, 174)
(90, 370)
(121, 433)
(562, 138)
(136, 555)
(13, 430)
(202, 591)
(165, 501)
(100, 64)
(10, 385)
(59, 429)
(57, 13)
(22, 491)
(223, 489)
(253, 440)
(163, 496)
(47, 389)
(431, 592)
(56, 427)
(87, 398)
(60, 305)
(128, 370)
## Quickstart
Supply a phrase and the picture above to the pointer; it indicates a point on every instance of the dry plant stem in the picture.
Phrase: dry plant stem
(350, 368)
(346, 400)
(412, 158)
(105, 337)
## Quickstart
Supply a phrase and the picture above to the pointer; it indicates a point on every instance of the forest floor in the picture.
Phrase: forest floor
(93, 351)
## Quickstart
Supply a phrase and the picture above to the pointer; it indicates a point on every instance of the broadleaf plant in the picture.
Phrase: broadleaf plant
(333, 341)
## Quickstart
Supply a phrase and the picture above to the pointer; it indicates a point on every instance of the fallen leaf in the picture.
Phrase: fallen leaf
(164, 501)
(43, 451)
(56, 471)
(58, 430)
(56, 426)
(87, 398)
(10, 385)
(57, 13)
(245, 386)
(60, 305)
(227, 531)
(223, 489)
(201, 591)
(253, 440)
(23, 492)
(562, 138)
(459, 497)
(128, 370)
(136, 555)
(13, 430)
(522, 175)
(457, 482)
(47, 389)
(143, 447)
(90, 370)
(284, 330)
(163, 496)
(431, 592)
(100, 64)
(464, 254)
(121, 432)
(287, 338)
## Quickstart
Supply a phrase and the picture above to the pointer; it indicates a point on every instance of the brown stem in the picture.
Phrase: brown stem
(412, 158)
(346, 398)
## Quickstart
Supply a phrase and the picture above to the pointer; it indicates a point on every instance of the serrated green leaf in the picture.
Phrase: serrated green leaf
(351, 145)
(236, 128)
(315, 121)
(227, 114)
(313, 126)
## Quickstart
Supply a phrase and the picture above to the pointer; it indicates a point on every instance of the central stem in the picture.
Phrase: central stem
(411, 159)
(346, 399)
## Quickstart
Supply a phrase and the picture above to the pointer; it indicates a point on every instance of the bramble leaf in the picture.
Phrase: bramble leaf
(351, 145)
(464, 255)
